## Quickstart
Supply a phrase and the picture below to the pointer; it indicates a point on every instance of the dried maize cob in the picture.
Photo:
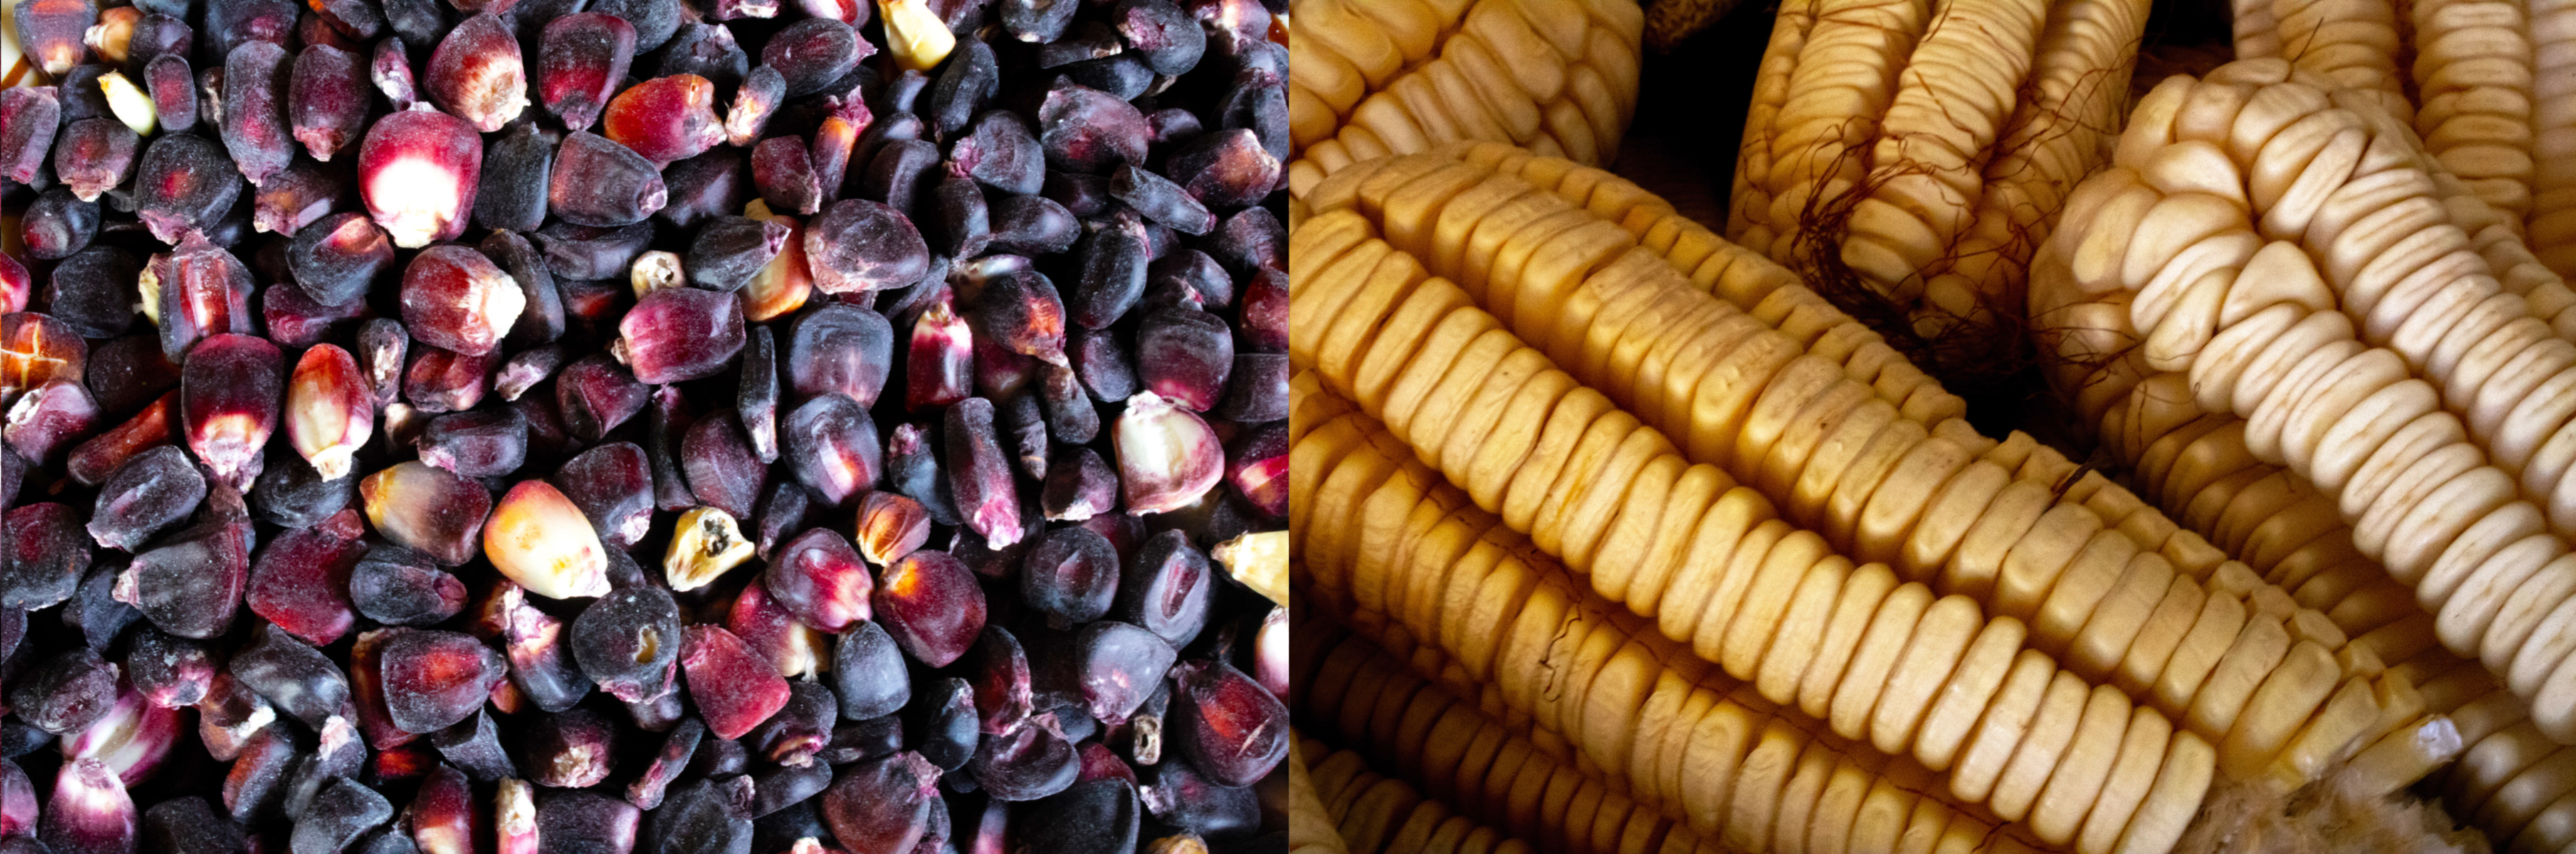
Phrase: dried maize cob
(1614, 453)
(1397, 76)
(1837, 93)
(1751, 779)
(2353, 43)
(2053, 142)
(2352, 574)
(2484, 84)
(1863, 520)
(1844, 674)
(1311, 830)
(2473, 73)
(1926, 178)
(1919, 187)
(2552, 225)
(1363, 813)
(2367, 345)
(1749, 201)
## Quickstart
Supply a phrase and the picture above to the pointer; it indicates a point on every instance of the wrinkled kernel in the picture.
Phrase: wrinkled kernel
(613, 486)
(782, 168)
(1089, 131)
(398, 588)
(858, 245)
(154, 490)
(1121, 666)
(890, 527)
(1167, 455)
(728, 251)
(883, 804)
(442, 381)
(300, 583)
(723, 471)
(813, 52)
(599, 183)
(998, 671)
(595, 394)
(980, 473)
(490, 442)
(705, 544)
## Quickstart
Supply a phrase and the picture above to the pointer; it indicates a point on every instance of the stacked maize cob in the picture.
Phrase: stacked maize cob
(1871, 524)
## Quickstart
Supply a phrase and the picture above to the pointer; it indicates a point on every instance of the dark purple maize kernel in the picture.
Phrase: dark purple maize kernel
(95, 155)
(255, 128)
(517, 170)
(704, 49)
(337, 259)
(327, 100)
(581, 60)
(858, 245)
